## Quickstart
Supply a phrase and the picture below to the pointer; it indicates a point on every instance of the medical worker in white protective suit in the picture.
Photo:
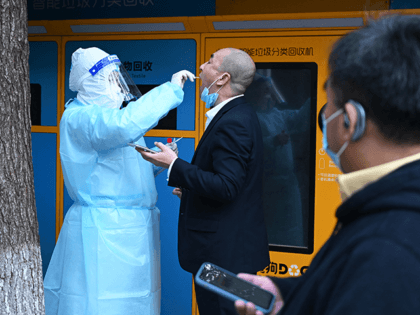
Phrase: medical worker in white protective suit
(107, 258)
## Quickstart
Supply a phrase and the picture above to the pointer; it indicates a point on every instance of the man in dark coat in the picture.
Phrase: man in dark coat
(371, 130)
(221, 216)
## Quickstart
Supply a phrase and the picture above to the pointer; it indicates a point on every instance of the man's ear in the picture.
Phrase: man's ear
(356, 119)
(351, 113)
(224, 79)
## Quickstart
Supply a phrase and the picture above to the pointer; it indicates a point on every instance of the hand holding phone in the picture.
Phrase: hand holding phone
(243, 308)
(228, 285)
(142, 147)
(171, 144)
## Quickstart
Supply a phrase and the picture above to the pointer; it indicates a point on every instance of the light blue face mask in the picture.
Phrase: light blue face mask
(210, 99)
(335, 157)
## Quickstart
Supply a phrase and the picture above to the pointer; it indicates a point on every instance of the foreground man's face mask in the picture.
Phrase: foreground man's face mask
(335, 157)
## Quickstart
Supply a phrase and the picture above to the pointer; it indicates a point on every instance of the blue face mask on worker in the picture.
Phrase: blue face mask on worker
(335, 157)
(210, 99)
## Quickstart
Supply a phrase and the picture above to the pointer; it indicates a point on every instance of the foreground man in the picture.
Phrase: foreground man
(371, 263)
(221, 216)
(107, 258)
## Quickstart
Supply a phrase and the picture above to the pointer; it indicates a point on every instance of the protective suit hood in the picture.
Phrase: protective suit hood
(100, 79)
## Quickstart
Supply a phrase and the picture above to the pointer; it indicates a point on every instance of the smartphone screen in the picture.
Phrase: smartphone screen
(236, 286)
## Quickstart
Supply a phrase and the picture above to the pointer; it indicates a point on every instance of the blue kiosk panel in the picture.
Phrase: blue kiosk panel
(44, 160)
(43, 59)
(149, 63)
(174, 300)
(43, 78)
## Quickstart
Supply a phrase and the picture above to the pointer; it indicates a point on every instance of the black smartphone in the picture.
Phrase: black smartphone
(228, 285)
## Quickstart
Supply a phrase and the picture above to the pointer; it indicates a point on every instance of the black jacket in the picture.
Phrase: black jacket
(371, 263)
(221, 216)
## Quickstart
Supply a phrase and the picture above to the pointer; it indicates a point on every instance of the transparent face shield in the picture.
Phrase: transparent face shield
(121, 81)
(117, 83)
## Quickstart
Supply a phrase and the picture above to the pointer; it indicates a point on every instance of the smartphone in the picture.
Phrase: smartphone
(141, 147)
(228, 285)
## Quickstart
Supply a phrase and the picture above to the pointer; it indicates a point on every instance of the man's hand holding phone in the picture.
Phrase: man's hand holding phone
(243, 289)
(141, 148)
(265, 283)
(163, 158)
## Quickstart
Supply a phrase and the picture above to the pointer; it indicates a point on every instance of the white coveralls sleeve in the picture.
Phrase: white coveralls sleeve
(112, 128)
(105, 128)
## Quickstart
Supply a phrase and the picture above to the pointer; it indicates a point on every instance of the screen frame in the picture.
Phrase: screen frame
(313, 67)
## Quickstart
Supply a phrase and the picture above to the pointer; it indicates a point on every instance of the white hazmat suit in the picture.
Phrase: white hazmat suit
(107, 258)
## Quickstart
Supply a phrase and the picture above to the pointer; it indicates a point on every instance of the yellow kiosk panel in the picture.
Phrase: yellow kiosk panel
(300, 192)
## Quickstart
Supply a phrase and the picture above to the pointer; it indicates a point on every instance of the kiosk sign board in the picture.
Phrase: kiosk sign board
(106, 9)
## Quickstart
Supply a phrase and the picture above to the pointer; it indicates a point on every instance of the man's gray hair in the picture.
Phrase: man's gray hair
(241, 69)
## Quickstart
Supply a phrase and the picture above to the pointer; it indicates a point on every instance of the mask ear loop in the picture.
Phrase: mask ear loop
(338, 112)
(342, 148)
(220, 88)
(215, 82)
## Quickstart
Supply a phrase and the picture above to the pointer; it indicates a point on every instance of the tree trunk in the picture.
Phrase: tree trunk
(21, 286)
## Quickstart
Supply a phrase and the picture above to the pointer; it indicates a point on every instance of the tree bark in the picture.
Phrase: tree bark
(21, 286)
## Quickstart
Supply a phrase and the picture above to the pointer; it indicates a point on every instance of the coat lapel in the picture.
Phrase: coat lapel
(225, 109)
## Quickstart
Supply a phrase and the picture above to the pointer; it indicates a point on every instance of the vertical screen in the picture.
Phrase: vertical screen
(35, 104)
(284, 98)
(43, 76)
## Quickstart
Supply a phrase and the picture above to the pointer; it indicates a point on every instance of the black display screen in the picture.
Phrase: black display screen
(236, 286)
(35, 104)
(284, 96)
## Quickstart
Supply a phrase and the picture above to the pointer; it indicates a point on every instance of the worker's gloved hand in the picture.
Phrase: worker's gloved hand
(180, 77)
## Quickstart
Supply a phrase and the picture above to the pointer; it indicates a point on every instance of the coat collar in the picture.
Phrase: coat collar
(399, 189)
(233, 103)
